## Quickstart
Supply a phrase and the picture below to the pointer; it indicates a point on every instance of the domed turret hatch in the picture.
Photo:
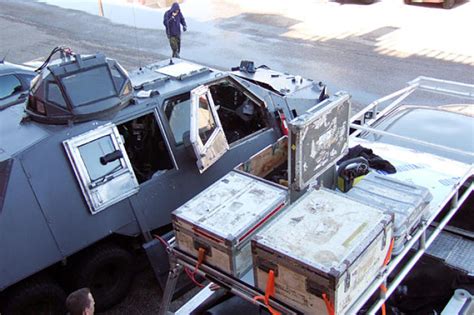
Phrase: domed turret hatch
(78, 88)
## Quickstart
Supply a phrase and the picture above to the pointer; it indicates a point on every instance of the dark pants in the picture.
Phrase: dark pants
(175, 43)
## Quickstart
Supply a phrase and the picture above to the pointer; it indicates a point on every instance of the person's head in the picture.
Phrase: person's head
(80, 302)
(175, 8)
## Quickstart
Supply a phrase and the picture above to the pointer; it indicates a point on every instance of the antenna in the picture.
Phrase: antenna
(3, 59)
(136, 37)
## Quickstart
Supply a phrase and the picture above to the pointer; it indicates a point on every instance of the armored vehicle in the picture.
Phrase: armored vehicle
(97, 159)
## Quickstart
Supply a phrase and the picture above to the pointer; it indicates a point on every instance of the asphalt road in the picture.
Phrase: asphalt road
(368, 50)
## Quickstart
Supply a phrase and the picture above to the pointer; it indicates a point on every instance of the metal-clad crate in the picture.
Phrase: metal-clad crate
(224, 217)
(407, 202)
(322, 244)
(318, 138)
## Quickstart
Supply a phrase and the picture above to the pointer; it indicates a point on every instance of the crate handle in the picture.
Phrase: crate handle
(267, 266)
(199, 245)
(314, 288)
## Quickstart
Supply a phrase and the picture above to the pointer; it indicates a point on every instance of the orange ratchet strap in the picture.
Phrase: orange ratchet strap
(269, 291)
(329, 306)
(383, 288)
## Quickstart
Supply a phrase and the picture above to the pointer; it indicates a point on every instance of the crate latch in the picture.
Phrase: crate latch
(347, 281)
(384, 238)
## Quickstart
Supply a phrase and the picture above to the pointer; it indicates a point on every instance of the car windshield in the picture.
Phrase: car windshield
(89, 86)
(440, 127)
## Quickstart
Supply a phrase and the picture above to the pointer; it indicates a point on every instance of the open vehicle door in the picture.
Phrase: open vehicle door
(206, 133)
(102, 167)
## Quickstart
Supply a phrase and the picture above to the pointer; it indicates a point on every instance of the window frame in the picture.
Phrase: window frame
(216, 145)
(104, 191)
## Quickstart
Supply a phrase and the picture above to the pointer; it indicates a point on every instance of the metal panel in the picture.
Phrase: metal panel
(26, 243)
(59, 195)
(318, 139)
(182, 69)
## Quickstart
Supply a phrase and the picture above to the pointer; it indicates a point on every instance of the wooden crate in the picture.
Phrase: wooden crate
(322, 244)
(224, 217)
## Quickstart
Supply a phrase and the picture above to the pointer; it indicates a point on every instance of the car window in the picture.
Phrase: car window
(118, 78)
(177, 110)
(9, 85)
(89, 86)
(55, 95)
(91, 153)
(206, 123)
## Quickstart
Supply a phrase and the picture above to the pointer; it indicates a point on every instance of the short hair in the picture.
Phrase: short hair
(78, 301)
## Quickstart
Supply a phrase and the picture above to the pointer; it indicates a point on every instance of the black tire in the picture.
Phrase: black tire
(107, 271)
(448, 4)
(36, 296)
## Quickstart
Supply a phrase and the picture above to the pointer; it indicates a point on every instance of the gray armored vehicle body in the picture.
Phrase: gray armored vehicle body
(98, 159)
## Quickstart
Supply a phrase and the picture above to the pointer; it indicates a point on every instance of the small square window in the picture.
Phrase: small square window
(102, 167)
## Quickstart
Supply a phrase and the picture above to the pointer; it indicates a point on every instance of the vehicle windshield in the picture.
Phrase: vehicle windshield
(440, 127)
(89, 86)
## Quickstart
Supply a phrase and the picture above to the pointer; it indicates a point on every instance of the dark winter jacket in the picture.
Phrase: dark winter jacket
(172, 23)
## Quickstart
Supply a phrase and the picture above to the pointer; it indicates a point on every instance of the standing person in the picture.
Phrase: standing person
(172, 20)
(80, 302)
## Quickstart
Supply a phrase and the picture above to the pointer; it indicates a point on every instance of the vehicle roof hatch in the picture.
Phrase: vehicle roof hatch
(182, 70)
(78, 88)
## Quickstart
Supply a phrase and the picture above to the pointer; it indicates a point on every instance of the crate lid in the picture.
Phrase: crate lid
(318, 139)
(324, 231)
(389, 194)
(232, 205)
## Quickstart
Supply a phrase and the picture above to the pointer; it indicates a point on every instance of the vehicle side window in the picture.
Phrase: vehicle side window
(118, 78)
(177, 111)
(9, 85)
(90, 153)
(55, 95)
(206, 122)
(146, 147)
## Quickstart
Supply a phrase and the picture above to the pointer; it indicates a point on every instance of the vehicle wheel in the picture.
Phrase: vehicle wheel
(40, 296)
(448, 4)
(108, 272)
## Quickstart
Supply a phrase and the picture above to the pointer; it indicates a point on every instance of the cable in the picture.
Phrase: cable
(65, 51)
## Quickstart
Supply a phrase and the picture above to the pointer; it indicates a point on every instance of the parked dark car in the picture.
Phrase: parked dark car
(14, 83)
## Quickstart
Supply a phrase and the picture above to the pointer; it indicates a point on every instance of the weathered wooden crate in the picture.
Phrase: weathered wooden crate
(323, 244)
(223, 218)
